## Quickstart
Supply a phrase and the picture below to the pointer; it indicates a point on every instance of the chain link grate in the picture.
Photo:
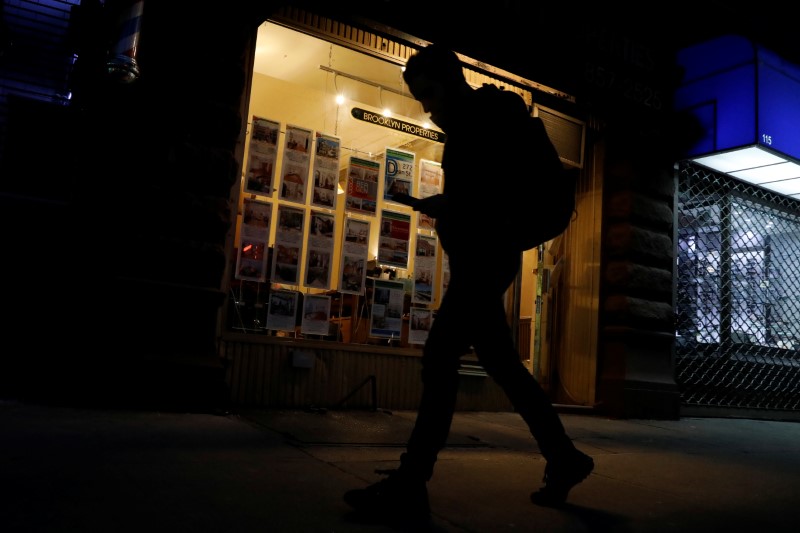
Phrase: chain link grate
(737, 294)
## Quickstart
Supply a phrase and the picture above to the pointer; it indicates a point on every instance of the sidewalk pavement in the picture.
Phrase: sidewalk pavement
(67, 469)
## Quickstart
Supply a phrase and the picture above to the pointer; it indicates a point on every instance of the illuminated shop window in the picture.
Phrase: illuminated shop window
(332, 133)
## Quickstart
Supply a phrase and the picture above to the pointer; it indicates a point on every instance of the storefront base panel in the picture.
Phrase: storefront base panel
(276, 372)
(631, 399)
(637, 376)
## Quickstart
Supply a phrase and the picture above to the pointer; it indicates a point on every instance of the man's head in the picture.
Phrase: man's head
(435, 77)
(437, 62)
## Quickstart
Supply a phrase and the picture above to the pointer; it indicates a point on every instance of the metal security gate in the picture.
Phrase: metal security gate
(737, 294)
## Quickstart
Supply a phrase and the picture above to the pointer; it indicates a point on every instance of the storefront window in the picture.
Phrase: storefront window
(737, 273)
(321, 249)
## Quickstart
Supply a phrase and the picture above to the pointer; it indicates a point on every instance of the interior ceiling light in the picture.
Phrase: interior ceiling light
(756, 165)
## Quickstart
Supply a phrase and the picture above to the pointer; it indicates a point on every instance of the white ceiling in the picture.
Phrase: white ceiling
(295, 58)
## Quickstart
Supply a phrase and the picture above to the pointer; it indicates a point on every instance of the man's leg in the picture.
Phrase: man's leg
(498, 356)
(403, 496)
(447, 341)
(566, 466)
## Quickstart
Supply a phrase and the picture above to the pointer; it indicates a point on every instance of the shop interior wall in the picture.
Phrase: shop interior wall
(301, 93)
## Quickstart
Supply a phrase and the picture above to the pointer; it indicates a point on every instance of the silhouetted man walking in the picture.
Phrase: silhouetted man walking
(484, 150)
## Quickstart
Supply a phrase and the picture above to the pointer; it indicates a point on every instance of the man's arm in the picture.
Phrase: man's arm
(405, 199)
(433, 206)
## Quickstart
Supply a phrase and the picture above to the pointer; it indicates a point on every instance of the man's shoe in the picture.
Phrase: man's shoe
(560, 477)
(395, 499)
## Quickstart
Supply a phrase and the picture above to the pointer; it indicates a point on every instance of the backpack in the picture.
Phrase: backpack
(544, 196)
(546, 203)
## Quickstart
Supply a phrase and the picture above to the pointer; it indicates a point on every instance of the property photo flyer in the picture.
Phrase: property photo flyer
(386, 319)
(361, 193)
(282, 310)
(419, 324)
(262, 156)
(320, 250)
(251, 258)
(251, 261)
(424, 269)
(354, 256)
(445, 275)
(285, 267)
(316, 311)
(431, 182)
(256, 219)
(431, 178)
(398, 173)
(393, 240)
(296, 158)
(291, 224)
(288, 245)
(325, 175)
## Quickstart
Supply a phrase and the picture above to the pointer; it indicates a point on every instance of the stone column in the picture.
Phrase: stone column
(636, 367)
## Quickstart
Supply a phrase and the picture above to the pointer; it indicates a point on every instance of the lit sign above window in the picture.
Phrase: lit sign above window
(399, 125)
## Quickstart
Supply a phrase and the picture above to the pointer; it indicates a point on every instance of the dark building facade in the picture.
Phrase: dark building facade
(121, 196)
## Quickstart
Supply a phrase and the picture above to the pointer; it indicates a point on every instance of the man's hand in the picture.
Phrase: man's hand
(405, 199)
(431, 206)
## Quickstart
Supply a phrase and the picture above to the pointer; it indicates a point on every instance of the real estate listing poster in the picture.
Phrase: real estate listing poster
(398, 173)
(282, 310)
(262, 156)
(319, 246)
(251, 258)
(393, 240)
(386, 319)
(361, 193)
(431, 182)
(288, 245)
(316, 311)
(445, 275)
(354, 256)
(424, 269)
(419, 324)
(325, 181)
(295, 164)
(256, 219)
